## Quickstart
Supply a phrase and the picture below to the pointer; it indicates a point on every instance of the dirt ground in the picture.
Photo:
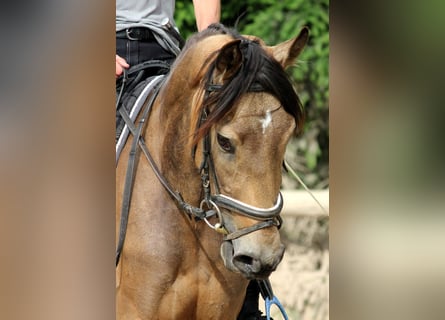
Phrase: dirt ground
(301, 282)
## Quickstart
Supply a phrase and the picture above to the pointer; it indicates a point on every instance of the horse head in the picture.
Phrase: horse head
(245, 111)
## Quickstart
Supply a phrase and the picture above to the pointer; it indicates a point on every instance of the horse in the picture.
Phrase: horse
(204, 211)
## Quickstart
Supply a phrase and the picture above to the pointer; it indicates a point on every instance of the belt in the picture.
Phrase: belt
(140, 34)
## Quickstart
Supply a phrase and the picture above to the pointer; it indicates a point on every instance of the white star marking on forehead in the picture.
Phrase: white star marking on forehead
(266, 121)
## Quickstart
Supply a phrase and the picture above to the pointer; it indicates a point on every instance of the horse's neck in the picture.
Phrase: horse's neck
(169, 126)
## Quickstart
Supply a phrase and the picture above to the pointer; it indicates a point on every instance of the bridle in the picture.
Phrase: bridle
(211, 202)
(267, 217)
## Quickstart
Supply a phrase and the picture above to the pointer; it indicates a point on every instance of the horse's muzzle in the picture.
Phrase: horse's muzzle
(251, 265)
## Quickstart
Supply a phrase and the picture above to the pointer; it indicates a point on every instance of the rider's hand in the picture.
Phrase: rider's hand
(120, 65)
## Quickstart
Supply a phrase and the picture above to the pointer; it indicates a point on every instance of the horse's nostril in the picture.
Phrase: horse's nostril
(244, 259)
(247, 264)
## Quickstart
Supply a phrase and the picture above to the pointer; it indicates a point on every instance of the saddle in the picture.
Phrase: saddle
(133, 88)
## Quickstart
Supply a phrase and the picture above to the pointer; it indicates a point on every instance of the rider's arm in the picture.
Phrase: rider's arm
(206, 12)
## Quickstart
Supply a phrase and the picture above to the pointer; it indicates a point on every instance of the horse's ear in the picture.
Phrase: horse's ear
(229, 60)
(287, 52)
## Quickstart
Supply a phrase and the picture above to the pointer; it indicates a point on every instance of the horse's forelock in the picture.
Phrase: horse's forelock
(257, 68)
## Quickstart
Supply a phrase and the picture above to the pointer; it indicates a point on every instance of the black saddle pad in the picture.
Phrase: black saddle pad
(140, 81)
(137, 78)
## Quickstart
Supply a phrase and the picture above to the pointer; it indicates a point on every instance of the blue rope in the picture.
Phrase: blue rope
(275, 301)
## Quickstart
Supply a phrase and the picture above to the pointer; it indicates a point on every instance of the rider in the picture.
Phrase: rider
(145, 30)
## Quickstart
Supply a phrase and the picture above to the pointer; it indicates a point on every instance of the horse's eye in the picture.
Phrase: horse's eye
(225, 144)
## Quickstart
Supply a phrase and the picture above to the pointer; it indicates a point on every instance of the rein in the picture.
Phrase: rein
(138, 140)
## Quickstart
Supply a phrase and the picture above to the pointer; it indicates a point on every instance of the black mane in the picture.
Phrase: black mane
(258, 72)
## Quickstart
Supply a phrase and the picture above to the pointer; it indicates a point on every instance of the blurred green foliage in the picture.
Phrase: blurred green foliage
(274, 22)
